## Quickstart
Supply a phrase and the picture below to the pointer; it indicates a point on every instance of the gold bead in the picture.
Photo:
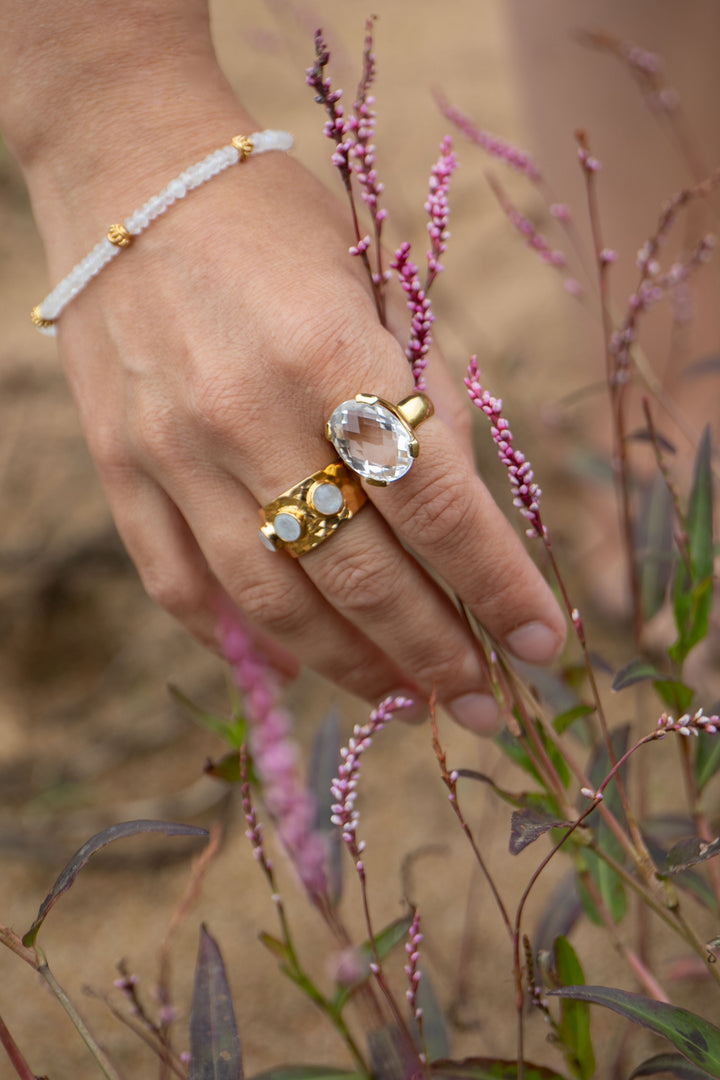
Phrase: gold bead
(119, 236)
(38, 320)
(244, 146)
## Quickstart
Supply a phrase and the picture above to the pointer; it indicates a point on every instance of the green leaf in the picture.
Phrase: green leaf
(227, 768)
(100, 840)
(638, 670)
(675, 694)
(697, 1039)
(516, 752)
(215, 1052)
(278, 948)
(700, 513)
(574, 1015)
(610, 886)
(693, 593)
(234, 732)
(673, 1065)
(490, 1069)
(562, 722)
(656, 555)
(707, 758)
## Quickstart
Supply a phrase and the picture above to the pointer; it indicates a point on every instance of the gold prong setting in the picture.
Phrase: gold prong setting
(375, 438)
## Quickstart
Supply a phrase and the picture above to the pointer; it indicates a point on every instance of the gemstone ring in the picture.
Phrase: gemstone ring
(377, 439)
(308, 513)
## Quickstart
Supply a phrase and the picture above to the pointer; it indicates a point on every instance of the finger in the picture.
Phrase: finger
(271, 590)
(444, 512)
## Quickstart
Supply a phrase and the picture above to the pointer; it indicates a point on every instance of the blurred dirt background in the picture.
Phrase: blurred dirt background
(88, 731)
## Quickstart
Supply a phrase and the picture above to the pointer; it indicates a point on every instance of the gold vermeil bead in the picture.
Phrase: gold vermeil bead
(37, 318)
(119, 236)
(244, 145)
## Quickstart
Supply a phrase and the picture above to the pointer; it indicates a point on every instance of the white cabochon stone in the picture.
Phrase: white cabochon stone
(287, 526)
(327, 499)
(371, 440)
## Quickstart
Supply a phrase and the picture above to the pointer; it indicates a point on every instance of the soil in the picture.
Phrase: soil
(89, 733)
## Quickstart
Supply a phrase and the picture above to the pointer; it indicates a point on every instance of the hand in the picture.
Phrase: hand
(205, 362)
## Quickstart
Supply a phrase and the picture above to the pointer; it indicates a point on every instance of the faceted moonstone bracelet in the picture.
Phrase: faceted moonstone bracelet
(118, 237)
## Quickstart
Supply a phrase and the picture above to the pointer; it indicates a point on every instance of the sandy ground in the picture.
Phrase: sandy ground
(88, 732)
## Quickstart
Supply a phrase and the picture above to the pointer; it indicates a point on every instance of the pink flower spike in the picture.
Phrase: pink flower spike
(438, 209)
(504, 151)
(422, 316)
(344, 786)
(275, 759)
(526, 493)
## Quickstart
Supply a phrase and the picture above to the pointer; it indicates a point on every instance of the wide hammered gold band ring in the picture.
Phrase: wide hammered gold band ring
(311, 511)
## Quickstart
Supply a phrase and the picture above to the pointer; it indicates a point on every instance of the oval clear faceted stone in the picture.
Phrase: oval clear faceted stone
(371, 440)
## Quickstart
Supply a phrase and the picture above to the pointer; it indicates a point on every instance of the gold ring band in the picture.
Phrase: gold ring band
(308, 513)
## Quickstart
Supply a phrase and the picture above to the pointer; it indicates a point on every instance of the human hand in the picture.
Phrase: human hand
(205, 363)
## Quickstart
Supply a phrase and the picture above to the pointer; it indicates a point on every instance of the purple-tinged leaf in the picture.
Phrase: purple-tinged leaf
(704, 365)
(689, 852)
(392, 1055)
(645, 435)
(529, 825)
(307, 1072)
(574, 1015)
(95, 843)
(435, 1032)
(673, 1065)
(322, 770)
(533, 800)
(490, 1069)
(636, 671)
(697, 1039)
(215, 1052)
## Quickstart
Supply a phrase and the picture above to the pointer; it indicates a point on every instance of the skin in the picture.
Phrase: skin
(207, 360)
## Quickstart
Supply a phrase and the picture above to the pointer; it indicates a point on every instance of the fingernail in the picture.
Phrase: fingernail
(477, 712)
(534, 642)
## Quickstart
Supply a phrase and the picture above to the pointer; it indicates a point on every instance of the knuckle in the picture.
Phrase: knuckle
(439, 509)
(272, 606)
(216, 404)
(181, 595)
(361, 587)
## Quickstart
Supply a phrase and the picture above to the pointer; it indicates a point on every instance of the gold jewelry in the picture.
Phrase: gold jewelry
(311, 511)
(375, 438)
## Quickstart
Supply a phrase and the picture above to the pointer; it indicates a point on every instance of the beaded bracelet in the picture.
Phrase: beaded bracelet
(45, 315)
